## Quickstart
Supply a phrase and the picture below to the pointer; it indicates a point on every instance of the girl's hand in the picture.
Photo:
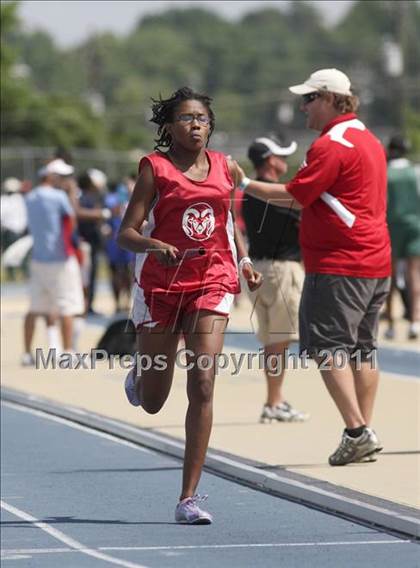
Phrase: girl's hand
(166, 254)
(253, 278)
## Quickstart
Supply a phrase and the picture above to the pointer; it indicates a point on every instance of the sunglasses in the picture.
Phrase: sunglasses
(310, 97)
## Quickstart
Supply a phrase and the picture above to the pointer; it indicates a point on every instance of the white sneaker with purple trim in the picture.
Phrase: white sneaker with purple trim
(188, 512)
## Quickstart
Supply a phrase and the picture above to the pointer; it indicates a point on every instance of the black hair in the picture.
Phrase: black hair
(163, 112)
(84, 181)
(398, 146)
(64, 154)
(113, 186)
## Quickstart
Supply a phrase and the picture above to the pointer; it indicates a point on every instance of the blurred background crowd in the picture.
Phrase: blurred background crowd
(99, 205)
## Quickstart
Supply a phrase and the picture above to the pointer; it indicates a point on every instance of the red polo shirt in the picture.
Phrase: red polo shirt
(348, 162)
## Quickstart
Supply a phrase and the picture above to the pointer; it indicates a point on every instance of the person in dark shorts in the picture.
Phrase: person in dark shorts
(120, 261)
(91, 213)
(273, 239)
(341, 187)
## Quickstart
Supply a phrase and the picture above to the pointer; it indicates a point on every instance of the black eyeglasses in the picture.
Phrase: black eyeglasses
(310, 97)
(188, 118)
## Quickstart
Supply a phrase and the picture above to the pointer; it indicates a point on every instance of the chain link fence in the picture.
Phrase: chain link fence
(24, 162)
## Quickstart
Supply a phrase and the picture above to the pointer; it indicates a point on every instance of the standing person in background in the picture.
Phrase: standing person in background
(55, 281)
(186, 192)
(120, 261)
(92, 217)
(273, 241)
(13, 216)
(341, 187)
(13, 212)
(404, 227)
(125, 188)
(92, 184)
(82, 248)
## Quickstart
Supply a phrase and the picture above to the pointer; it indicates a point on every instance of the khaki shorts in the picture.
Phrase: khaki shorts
(56, 287)
(276, 303)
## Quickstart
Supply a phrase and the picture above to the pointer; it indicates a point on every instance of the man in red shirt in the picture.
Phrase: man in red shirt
(341, 187)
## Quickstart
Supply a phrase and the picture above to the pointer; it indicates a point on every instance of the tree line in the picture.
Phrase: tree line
(98, 93)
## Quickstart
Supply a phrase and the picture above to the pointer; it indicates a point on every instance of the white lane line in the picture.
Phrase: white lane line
(211, 546)
(70, 542)
(256, 545)
(6, 551)
(311, 494)
(76, 426)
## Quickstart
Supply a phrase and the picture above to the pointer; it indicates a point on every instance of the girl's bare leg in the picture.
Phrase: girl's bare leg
(156, 345)
(204, 335)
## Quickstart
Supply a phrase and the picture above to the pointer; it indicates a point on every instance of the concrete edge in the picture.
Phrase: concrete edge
(304, 492)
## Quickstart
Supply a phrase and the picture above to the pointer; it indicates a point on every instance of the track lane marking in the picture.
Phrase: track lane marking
(70, 542)
(74, 425)
(211, 546)
(327, 500)
(256, 545)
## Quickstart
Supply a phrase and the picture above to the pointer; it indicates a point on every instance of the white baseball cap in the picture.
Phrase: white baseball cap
(99, 179)
(331, 80)
(58, 167)
(262, 148)
(12, 185)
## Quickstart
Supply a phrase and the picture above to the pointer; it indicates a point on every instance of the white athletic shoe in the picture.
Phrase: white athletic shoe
(353, 450)
(188, 512)
(284, 412)
(414, 330)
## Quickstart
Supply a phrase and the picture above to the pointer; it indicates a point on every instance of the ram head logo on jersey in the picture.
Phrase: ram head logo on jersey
(198, 221)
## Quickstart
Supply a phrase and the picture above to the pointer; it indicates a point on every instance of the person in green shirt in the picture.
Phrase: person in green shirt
(403, 215)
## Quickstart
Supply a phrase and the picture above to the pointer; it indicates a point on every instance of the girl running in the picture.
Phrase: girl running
(186, 271)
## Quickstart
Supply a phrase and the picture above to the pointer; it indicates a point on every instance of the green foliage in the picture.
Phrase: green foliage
(31, 113)
(38, 51)
(9, 25)
(245, 66)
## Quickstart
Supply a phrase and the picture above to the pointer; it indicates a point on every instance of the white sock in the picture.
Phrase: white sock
(78, 326)
(53, 335)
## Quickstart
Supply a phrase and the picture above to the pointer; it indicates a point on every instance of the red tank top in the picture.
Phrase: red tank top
(190, 214)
